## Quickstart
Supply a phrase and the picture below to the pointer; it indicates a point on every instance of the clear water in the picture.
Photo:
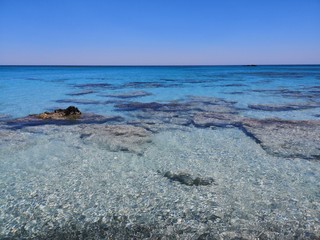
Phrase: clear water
(52, 181)
(27, 90)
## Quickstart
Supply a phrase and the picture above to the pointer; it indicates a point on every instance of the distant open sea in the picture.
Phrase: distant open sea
(160, 152)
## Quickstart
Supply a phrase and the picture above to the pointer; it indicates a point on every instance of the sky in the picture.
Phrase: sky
(159, 32)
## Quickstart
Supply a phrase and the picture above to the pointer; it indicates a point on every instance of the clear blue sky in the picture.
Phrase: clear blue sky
(164, 32)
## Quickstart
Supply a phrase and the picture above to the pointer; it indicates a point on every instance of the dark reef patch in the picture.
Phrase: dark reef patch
(133, 94)
(93, 85)
(150, 85)
(188, 179)
(81, 93)
(133, 106)
(233, 85)
(283, 107)
(80, 101)
(278, 137)
(234, 93)
(287, 93)
(286, 138)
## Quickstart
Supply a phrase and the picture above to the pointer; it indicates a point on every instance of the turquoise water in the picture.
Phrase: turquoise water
(27, 90)
(81, 181)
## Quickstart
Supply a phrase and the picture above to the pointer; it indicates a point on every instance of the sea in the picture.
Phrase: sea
(160, 152)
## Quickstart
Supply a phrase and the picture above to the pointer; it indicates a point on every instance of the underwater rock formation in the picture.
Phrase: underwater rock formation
(283, 107)
(188, 179)
(85, 92)
(286, 138)
(125, 138)
(133, 94)
(79, 101)
(217, 119)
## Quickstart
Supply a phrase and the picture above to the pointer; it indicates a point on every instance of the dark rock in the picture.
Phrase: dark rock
(70, 112)
(288, 75)
(93, 85)
(233, 85)
(79, 101)
(154, 106)
(286, 138)
(133, 94)
(81, 93)
(150, 85)
(188, 179)
(192, 104)
(133, 106)
(61, 117)
(283, 107)
(234, 93)
(143, 84)
(307, 93)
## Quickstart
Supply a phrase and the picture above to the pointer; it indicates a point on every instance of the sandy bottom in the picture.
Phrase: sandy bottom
(54, 185)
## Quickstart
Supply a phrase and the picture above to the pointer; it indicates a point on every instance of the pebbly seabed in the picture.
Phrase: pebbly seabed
(160, 152)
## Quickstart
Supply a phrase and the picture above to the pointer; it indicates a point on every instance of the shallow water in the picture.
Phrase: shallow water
(80, 181)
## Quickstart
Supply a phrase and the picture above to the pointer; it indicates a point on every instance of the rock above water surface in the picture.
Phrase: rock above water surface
(70, 112)
(70, 115)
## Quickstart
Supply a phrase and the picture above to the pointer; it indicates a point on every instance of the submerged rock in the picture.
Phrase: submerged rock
(151, 85)
(209, 100)
(305, 93)
(276, 136)
(218, 119)
(233, 85)
(134, 106)
(188, 179)
(79, 101)
(164, 117)
(85, 92)
(93, 85)
(117, 137)
(286, 138)
(283, 107)
(133, 94)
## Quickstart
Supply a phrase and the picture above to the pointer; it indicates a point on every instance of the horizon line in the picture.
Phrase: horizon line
(153, 65)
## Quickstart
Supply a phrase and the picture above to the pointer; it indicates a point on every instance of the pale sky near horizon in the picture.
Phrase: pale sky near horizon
(176, 32)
